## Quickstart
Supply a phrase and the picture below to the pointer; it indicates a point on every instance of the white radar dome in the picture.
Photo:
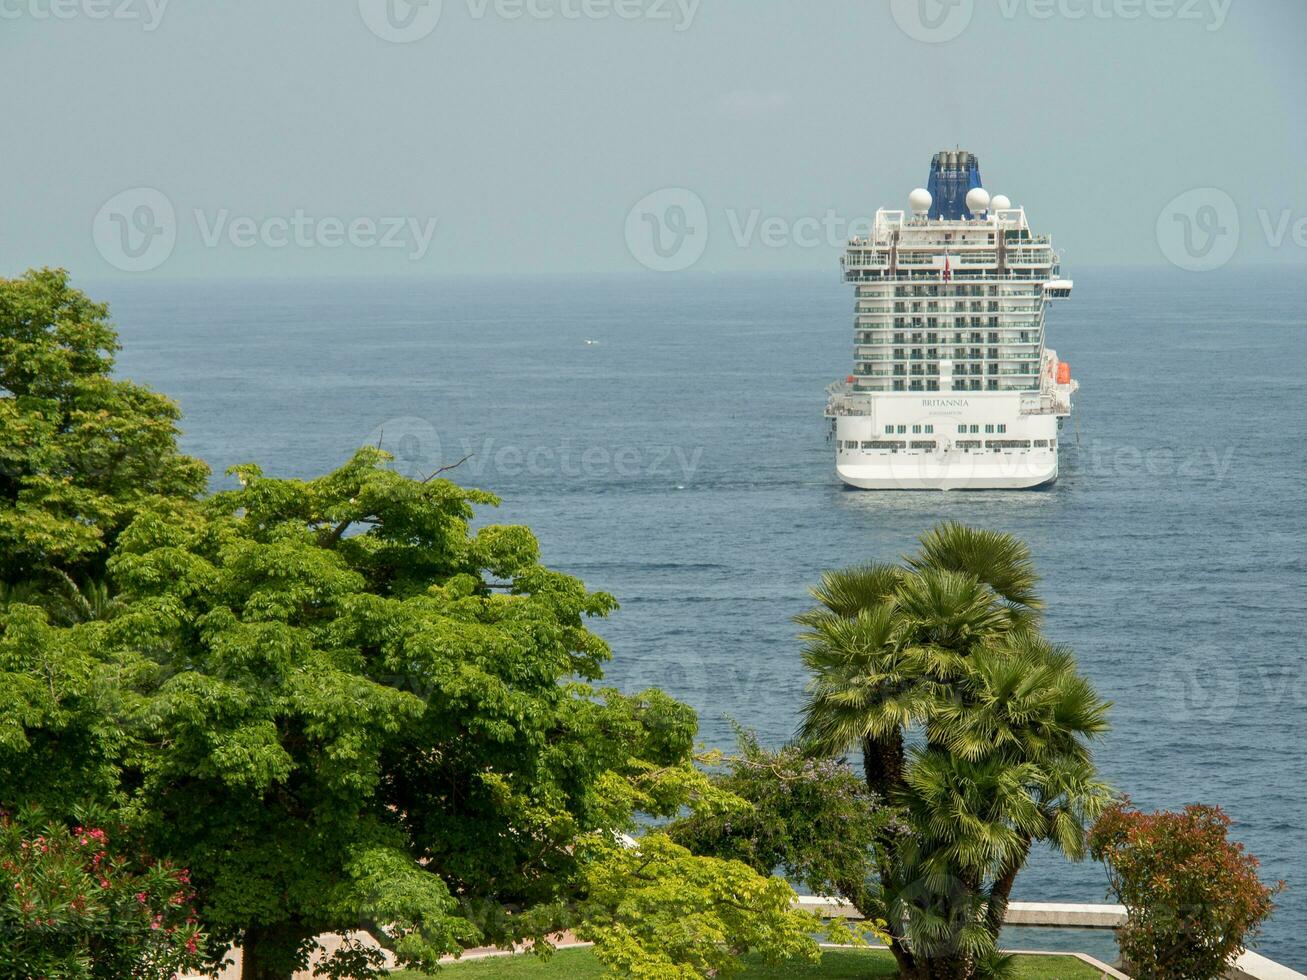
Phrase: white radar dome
(1000, 202)
(920, 201)
(977, 200)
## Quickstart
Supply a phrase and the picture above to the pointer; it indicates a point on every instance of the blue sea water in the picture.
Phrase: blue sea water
(680, 462)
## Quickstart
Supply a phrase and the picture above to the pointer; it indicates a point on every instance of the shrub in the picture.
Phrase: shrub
(74, 907)
(1193, 896)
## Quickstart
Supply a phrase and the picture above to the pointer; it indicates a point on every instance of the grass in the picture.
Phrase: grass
(836, 964)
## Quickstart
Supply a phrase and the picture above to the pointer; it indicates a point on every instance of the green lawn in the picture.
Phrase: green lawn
(836, 964)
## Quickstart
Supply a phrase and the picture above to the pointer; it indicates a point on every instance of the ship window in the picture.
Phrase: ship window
(916, 429)
(923, 444)
(975, 429)
(1002, 428)
(930, 429)
(1041, 443)
(989, 428)
(992, 385)
(902, 429)
(962, 429)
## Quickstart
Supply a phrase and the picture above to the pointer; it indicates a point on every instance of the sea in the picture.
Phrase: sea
(663, 437)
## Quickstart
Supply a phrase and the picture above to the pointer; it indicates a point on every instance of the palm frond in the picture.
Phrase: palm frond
(1002, 561)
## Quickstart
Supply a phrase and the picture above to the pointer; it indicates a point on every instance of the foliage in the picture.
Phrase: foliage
(80, 452)
(658, 912)
(811, 816)
(1193, 896)
(343, 709)
(972, 726)
(77, 906)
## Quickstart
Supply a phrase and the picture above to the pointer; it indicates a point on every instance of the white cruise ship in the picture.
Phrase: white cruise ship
(952, 385)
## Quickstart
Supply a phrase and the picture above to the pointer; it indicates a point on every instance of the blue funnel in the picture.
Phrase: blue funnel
(952, 174)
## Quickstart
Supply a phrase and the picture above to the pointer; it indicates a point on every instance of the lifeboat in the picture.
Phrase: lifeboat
(1063, 373)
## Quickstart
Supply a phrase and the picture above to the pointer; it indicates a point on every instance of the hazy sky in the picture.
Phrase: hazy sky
(373, 137)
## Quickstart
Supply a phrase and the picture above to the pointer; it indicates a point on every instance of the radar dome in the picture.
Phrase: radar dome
(977, 200)
(920, 201)
(1000, 202)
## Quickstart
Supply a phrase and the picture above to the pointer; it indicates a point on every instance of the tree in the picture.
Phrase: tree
(1193, 896)
(657, 912)
(80, 451)
(810, 816)
(342, 709)
(78, 905)
(970, 723)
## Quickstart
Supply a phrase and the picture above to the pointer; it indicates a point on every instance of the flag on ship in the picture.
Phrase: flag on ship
(948, 269)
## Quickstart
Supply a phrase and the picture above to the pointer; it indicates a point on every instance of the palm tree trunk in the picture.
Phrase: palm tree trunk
(1001, 890)
(903, 957)
(882, 763)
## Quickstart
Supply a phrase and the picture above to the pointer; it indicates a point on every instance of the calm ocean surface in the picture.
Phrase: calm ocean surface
(681, 463)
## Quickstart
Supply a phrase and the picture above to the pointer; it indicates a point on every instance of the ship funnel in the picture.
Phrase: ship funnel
(953, 174)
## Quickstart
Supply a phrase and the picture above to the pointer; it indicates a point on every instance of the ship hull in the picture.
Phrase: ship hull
(951, 474)
(972, 441)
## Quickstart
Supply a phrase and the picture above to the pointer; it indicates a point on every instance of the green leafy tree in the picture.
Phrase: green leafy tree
(77, 905)
(343, 709)
(657, 912)
(1193, 896)
(810, 816)
(971, 725)
(81, 452)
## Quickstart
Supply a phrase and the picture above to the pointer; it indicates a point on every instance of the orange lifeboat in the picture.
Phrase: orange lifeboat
(1063, 373)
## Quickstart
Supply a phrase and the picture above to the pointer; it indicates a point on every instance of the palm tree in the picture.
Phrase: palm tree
(969, 722)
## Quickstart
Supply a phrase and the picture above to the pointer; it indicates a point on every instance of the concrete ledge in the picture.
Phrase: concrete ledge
(1065, 915)
(1251, 966)
(1058, 915)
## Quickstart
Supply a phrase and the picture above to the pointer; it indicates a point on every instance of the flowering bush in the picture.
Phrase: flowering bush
(1193, 896)
(74, 907)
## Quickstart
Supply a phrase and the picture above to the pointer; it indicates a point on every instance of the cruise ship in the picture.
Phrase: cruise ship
(953, 386)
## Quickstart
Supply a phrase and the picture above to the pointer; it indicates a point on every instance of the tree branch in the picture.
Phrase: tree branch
(446, 469)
